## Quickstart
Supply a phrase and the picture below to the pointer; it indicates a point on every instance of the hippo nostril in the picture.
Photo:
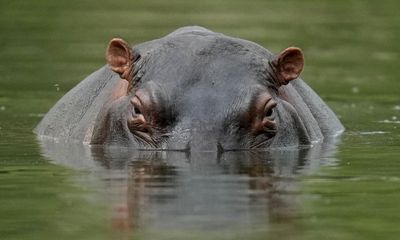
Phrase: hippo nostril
(137, 111)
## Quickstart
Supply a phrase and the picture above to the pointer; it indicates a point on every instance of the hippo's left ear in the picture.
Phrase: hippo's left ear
(288, 65)
(120, 58)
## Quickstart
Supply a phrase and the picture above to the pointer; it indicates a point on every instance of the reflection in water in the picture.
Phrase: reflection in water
(198, 191)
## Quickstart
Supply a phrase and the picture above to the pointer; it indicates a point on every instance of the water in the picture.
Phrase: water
(348, 190)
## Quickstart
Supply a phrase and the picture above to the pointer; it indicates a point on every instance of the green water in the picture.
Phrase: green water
(352, 56)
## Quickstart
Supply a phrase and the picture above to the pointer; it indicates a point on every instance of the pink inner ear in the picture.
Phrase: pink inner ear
(117, 61)
(290, 63)
(118, 55)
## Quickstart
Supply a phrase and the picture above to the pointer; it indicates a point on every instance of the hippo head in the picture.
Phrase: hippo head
(201, 91)
(194, 89)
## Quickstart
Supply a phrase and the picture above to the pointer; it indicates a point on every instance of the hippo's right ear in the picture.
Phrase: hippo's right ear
(288, 65)
(120, 58)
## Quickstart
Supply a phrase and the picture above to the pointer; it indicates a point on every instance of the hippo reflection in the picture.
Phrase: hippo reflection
(193, 89)
(244, 192)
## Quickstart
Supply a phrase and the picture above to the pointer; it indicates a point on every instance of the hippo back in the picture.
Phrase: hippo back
(75, 114)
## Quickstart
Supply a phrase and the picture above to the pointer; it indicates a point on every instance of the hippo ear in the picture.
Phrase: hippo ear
(288, 65)
(120, 58)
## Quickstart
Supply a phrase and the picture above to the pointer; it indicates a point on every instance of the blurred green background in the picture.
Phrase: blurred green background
(352, 56)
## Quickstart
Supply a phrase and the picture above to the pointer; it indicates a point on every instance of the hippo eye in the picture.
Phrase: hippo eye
(137, 105)
(270, 110)
(269, 113)
(268, 123)
(136, 110)
(137, 120)
(263, 122)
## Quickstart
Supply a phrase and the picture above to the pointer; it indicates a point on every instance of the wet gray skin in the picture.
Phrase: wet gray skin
(193, 90)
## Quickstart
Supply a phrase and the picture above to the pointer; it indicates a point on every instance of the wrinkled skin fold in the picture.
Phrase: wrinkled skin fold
(193, 90)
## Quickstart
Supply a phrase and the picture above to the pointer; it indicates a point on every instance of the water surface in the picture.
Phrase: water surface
(348, 190)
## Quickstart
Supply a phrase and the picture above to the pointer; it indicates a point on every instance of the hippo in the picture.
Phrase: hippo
(193, 90)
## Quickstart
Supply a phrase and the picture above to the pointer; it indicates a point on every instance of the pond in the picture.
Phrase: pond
(343, 190)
